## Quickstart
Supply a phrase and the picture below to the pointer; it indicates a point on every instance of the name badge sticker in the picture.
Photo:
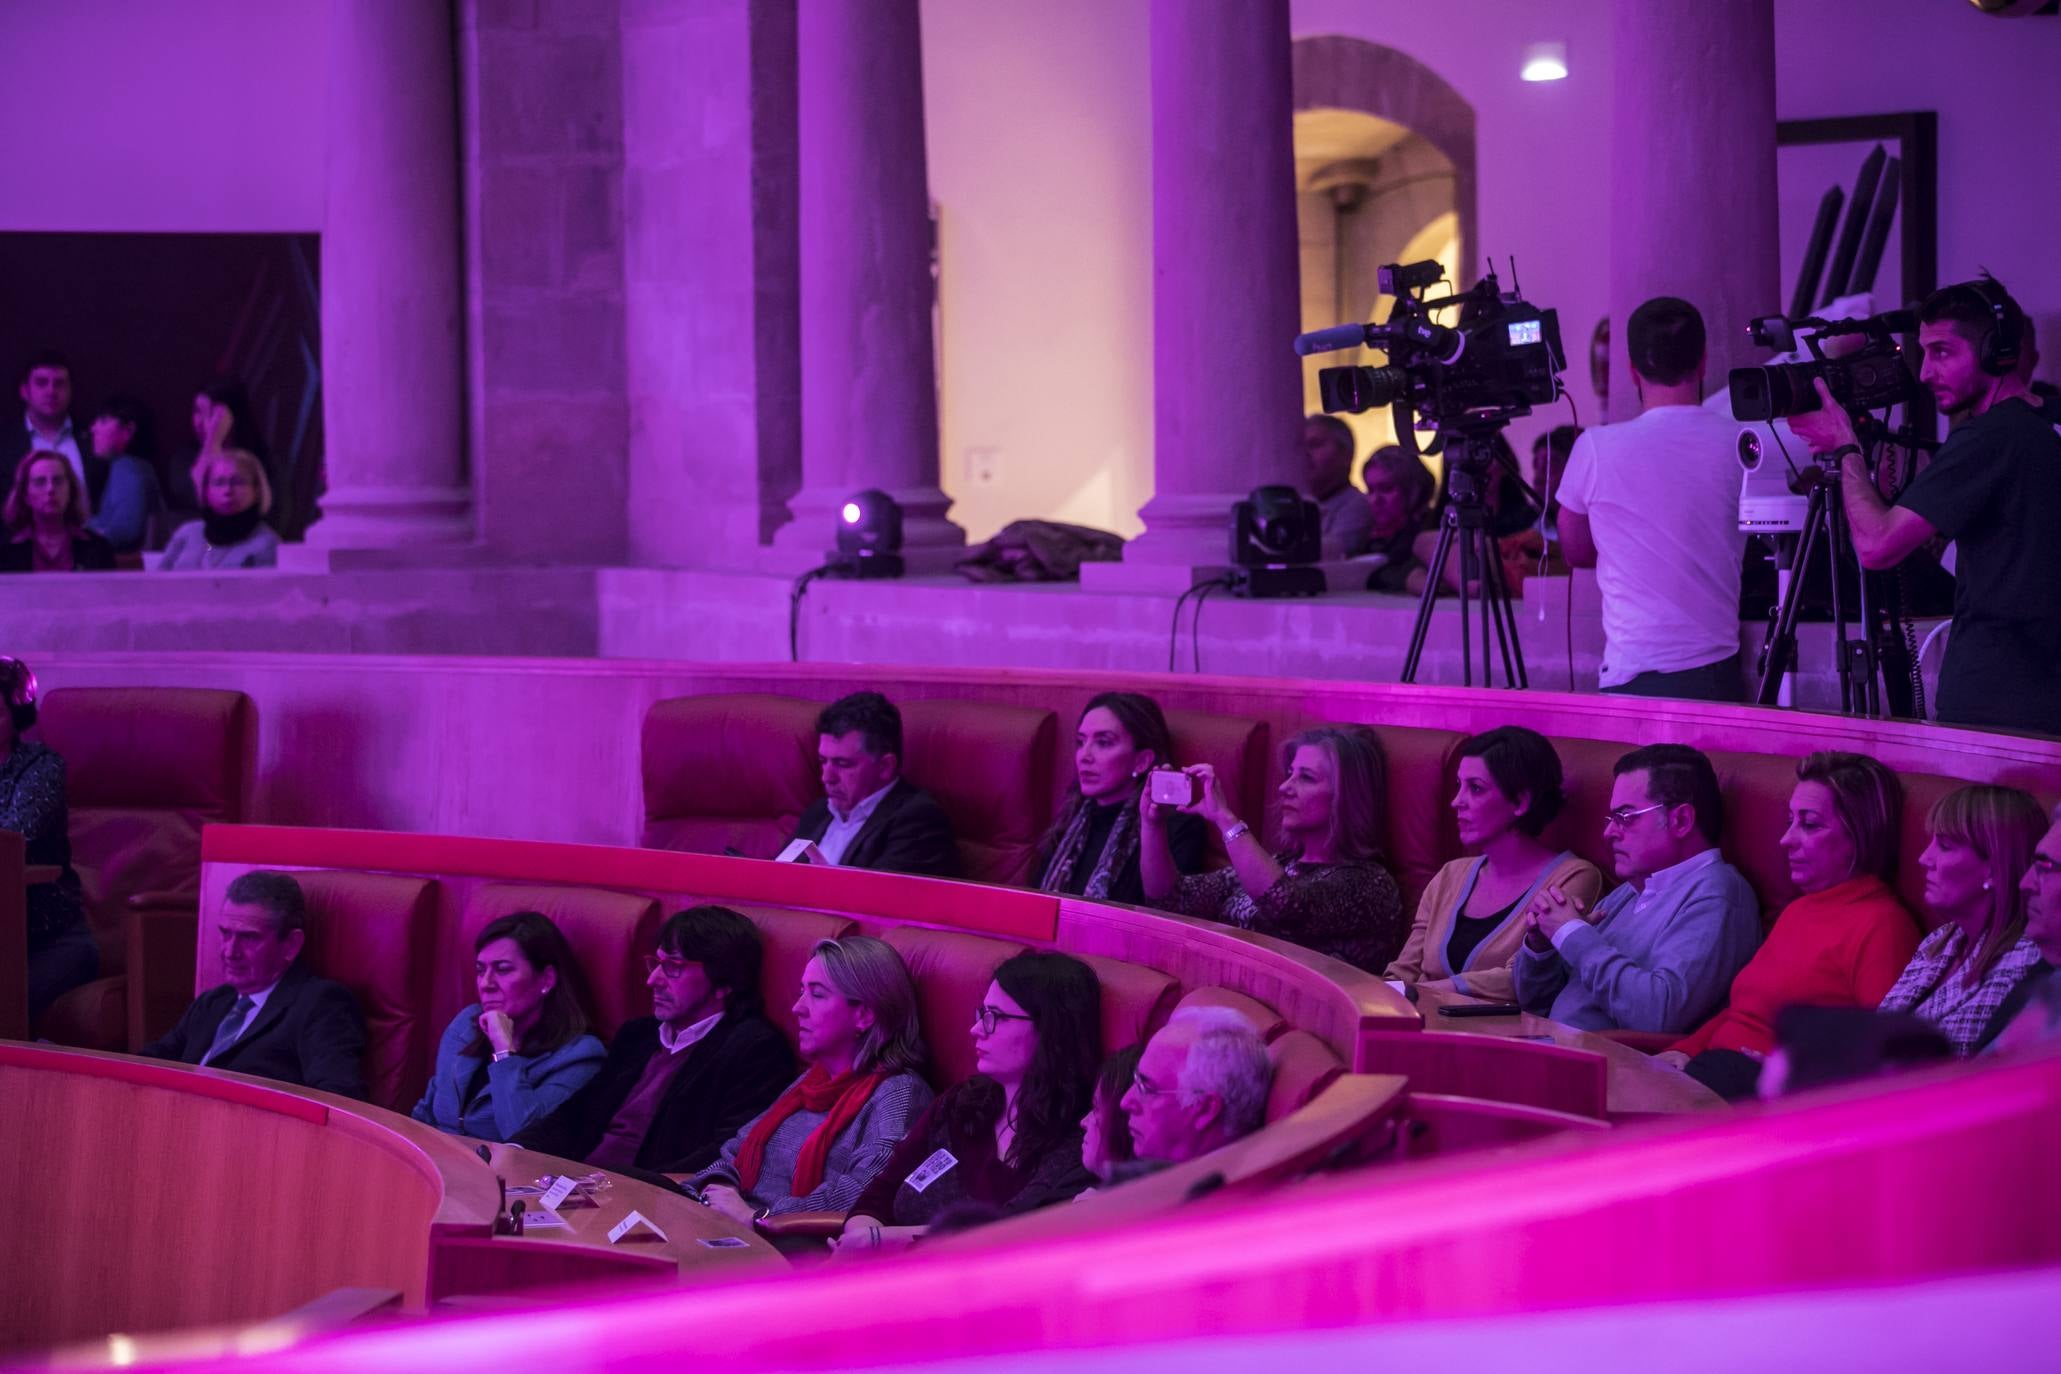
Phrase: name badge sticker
(931, 1170)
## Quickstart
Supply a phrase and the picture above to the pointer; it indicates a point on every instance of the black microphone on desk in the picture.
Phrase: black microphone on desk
(504, 1224)
(515, 1214)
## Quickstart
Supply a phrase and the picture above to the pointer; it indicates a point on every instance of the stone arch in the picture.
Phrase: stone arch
(1335, 73)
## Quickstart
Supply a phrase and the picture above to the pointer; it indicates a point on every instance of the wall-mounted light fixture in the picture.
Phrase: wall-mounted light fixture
(1545, 62)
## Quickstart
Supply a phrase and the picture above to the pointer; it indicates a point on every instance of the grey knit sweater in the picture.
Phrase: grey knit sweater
(855, 1156)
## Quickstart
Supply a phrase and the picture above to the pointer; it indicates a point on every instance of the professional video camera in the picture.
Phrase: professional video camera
(1872, 377)
(1501, 358)
(1466, 381)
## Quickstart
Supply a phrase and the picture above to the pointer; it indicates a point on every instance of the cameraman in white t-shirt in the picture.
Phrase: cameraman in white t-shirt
(1653, 506)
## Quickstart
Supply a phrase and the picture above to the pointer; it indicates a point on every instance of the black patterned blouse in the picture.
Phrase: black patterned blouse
(32, 804)
(1350, 911)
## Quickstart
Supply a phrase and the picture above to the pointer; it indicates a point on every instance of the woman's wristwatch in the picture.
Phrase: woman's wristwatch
(500, 1055)
(1234, 830)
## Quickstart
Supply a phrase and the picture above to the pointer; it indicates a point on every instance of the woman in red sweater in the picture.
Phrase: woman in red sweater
(1843, 943)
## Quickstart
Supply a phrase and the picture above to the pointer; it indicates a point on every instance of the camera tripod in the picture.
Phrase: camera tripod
(1859, 639)
(1465, 521)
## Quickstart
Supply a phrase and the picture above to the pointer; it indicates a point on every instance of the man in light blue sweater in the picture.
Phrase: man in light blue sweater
(1664, 947)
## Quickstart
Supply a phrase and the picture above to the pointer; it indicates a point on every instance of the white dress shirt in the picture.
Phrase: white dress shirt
(686, 1039)
(66, 442)
(842, 830)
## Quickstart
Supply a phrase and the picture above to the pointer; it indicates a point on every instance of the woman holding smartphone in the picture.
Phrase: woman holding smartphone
(1092, 849)
(1323, 887)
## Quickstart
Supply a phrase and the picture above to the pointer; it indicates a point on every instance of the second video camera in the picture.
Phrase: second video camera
(1873, 376)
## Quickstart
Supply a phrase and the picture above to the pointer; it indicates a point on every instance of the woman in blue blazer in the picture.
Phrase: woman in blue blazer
(523, 1048)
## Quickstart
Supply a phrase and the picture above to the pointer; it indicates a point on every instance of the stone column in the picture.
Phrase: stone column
(709, 239)
(393, 384)
(869, 378)
(1692, 200)
(1227, 387)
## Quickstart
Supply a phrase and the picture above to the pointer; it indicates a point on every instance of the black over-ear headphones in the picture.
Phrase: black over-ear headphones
(1997, 353)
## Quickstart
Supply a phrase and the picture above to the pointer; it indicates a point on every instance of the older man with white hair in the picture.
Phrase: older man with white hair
(1201, 1084)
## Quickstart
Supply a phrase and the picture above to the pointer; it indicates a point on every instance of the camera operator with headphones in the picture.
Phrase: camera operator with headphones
(1994, 488)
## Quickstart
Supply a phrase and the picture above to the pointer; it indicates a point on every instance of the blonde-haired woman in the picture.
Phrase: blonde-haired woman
(46, 514)
(1982, 840)
(231, 533)
(1324, 888)
(822, 1142)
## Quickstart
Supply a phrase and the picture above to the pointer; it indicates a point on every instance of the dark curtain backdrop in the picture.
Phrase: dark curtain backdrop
(156, 316)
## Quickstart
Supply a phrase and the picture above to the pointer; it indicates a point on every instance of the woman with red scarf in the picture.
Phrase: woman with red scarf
(821, 1143)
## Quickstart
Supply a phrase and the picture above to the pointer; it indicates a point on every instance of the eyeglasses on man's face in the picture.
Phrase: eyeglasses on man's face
(1623, 816)
(671, 966)
(1145, 1087)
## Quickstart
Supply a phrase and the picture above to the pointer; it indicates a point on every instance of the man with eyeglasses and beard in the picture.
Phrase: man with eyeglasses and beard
(1660, 952)
(680, 1082)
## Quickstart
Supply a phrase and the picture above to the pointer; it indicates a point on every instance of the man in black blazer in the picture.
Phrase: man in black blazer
(46, 399)
(871, 817)
(680, 1082)
(272, 1018)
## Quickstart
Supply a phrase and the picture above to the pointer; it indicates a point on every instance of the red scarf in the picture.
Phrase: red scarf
(842, 1098)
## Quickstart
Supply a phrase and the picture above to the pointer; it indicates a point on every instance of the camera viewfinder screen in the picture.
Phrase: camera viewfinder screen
(1527, 332)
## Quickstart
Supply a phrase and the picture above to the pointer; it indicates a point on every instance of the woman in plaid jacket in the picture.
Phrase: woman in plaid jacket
(1982, 840)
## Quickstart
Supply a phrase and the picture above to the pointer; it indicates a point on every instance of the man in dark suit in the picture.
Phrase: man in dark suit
(680, 1082)
(870, 816)
(272, 1018)
(46, 399)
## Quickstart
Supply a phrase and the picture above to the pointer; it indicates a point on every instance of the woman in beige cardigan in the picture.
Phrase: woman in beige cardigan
(1470, 920)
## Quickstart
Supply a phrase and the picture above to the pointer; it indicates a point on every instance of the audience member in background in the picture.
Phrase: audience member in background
(1324, 888)
(522, 1048)
(2031, 1014)
(1843, 943)
(61, 953)
(272, 1017)
(46, 399)
(679, 1082)
(1009, 1138)
(1536, 547)
(822, 1142)
(46, 521)
(222, 419)
(1092, 849)
(231, 532)
(1399, 495)
(1816, 1047)
(870, 816)
(1327, 479)
(1982, 843)
(1470, 920)
(1200, 1084)
(1653, 506)
(1510, 514)
(1106, 1129)
(1663, 946)
(121, 484)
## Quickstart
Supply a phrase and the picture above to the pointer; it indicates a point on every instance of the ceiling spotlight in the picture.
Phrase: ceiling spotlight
(869, 536)
(1276, 539)
(1545, 62)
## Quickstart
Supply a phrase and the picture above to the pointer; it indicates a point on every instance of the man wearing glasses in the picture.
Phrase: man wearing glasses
(680, 1082)
(1662, 949)
(1201, 1084)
